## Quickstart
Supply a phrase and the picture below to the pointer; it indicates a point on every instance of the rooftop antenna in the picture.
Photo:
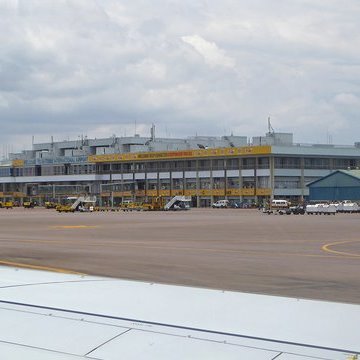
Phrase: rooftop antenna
(270, 128)
(328, 138)
(152, 132)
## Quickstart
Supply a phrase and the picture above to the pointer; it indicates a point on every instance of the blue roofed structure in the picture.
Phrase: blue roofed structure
(337, 186)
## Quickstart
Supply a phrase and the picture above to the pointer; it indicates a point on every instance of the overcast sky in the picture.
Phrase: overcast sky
(206, 67)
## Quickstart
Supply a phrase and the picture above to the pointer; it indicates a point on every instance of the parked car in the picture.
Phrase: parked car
(296, 210)
(235, 204)
(240, 204)
(220, 204)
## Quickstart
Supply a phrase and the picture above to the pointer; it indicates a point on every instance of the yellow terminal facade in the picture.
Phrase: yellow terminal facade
(205, 174)
(206, 168)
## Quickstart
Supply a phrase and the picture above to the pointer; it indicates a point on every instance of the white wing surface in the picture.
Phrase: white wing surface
(66, 317)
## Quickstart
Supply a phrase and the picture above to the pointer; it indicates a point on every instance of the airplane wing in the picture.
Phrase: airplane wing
(57, 316)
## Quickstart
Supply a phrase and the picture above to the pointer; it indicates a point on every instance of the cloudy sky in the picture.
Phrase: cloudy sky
(206, 67)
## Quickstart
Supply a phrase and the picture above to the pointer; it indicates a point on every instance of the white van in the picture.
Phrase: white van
(276, 204)
(220, 204)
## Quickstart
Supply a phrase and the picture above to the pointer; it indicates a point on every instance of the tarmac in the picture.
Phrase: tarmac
(301, 256)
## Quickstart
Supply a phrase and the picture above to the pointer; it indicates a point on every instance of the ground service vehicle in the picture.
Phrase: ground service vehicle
(321, 209)
(28, 205)
(178, 203)
(74, 203)
(279, 207)
(8, 205)
(64, 208)
(131, 206)
(220, 204)
(279, 204)
(50, 205)
(157, 203)
(296, 210)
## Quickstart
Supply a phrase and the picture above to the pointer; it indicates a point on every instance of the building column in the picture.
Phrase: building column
(146, 185)
(255, 179)
(241, 182)
(302, 178)
(197, 184)
(272, 176)
(225, 183)
(111, 186)
(211, 182)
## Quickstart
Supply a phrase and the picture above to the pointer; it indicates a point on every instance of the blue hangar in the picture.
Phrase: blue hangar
(337, 186)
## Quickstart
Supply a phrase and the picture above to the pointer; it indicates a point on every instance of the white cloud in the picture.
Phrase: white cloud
(347, 99)
(75, 66)
(211, 53)
(147, 69)
(3, 102)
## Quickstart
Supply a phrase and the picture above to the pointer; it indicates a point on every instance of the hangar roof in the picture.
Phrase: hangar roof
(338, 177)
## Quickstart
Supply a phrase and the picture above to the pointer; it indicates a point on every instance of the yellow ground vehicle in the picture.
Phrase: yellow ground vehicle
(66, 205)
(131, 206)
(64, 208)
(1, 204)
(77, 203)
(8, 205)
(156, 204)
(50, 205)
(28, 204)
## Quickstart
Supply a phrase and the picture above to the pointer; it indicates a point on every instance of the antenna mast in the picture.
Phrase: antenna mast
(270, 128)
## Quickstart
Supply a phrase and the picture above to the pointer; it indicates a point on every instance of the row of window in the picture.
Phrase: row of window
(231, 164)
(190, 183)
(280, 182)
(185, 165)
(315, 163)
(60, 189)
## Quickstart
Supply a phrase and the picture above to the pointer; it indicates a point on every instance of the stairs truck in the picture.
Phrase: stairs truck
(157, 203)
(178, 203)
(81, 203)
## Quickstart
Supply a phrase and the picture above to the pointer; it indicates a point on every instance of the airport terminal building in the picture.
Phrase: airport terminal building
(206, 168)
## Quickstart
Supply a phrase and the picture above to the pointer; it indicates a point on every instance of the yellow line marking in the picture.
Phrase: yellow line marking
(327, 247)
(74, 226)
(241, 252)
(176, 248)
(39, 267)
